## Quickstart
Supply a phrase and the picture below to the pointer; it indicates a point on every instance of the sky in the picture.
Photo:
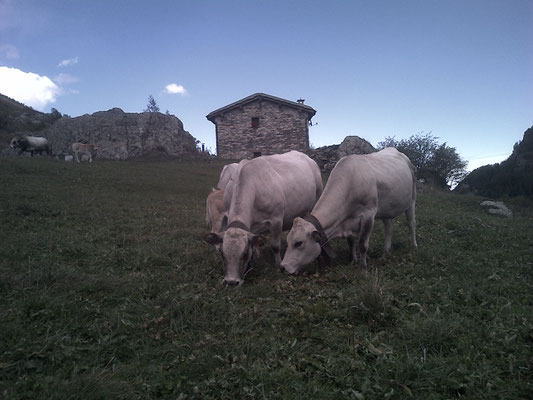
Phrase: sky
(461, 70)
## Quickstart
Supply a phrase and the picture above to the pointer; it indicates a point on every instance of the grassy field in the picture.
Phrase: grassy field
(107, 291)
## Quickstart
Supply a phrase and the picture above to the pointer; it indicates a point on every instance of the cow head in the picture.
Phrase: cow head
(237, 248)
(303, 246)
(14, 143)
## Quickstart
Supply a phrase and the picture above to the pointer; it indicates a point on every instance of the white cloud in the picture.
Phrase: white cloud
(66, 79)
(68, 62)
(9, 51)
(28, 88)
(172, 88)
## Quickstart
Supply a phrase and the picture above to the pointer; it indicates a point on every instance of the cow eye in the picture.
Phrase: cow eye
(297, 244)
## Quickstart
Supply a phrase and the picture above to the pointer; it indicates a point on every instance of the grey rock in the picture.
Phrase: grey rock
(355, 145)
(497, 207)
(119, 135)
(326, 157)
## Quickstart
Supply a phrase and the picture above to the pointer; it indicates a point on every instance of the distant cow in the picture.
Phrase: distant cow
(360, 188)
(31, 144)
(267, 194)
(85, 149)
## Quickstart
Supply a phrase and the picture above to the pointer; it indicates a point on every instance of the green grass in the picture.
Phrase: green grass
(107, 291)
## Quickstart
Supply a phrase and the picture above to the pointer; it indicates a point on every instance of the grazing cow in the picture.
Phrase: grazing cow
(268, 193)
(31, 144)
(360, 188)
(216, 215)
(216, 212)
(227, 173)
(85, 149)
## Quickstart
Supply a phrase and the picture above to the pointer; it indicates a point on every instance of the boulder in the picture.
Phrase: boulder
(355, 145)
(327, 156)
(497, 207)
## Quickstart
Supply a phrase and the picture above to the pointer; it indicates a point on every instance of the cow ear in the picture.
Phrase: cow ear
(316, 236)
(326, 248)
(213, 238)
(257, 241)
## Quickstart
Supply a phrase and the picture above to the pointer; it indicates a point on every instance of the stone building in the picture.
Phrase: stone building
(261, 124)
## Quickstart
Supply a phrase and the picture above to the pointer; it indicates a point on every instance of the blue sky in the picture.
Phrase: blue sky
(461, 69)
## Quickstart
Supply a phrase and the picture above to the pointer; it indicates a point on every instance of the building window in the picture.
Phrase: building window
(255, 122)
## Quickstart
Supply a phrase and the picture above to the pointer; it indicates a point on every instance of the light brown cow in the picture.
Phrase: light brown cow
(216, 215)
(85, 149)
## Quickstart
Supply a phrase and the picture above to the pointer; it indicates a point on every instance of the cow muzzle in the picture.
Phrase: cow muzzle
(233, 282)
(287, 269)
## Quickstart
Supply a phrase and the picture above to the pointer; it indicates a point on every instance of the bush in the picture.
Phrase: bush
(437, 163)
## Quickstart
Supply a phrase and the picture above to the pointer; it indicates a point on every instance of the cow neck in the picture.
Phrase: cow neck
(316, 223)
(327, 252)
(238, 224)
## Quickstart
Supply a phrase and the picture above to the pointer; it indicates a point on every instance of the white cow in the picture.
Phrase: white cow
(216, 215)
(216, 212)
(360, 188)
(85, 149)
(268, 193)
(227, 173)
(31, 144)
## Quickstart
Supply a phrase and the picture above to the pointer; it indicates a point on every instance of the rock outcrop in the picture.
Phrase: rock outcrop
(326, 157)
(119, 135)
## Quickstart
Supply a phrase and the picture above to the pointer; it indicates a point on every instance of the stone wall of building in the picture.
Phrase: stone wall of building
(279, 129)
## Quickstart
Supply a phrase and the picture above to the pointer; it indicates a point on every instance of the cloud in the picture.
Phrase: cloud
(68, 62)
(172, 88)
(66, 79)
(28, 88)
(9, 51)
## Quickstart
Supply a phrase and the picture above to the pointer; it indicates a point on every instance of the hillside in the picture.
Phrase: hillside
(108, 291)
(15, 118)
(512, 177)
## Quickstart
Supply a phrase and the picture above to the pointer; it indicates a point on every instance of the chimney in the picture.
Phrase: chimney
(300, 100)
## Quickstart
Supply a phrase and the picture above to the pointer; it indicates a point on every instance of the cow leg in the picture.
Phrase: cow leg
(275, 243)
(387, 222)
(410, 215)
(367, 223)
(351, 247)
(76, 155)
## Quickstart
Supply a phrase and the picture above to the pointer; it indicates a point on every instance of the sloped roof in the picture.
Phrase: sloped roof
(261, 96)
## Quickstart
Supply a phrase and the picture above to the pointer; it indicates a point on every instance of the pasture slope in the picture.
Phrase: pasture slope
(107, 291)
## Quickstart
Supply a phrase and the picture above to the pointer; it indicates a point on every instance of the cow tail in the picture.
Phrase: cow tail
(413, 175)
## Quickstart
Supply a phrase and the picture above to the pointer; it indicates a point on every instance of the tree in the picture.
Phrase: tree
(152, 105)
(435, 162)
